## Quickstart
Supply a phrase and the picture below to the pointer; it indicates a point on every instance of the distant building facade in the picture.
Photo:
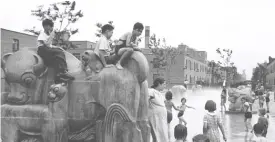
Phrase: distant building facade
(190, 65)
(270, 78)
(12, 41)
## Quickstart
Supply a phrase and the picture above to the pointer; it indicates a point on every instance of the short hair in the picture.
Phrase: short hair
(262, 111)
(180, 113)
(107, 27)
(157, 82)
(183, 99)
(200, 137)
(258, 128)
(210, 106)
(180, 132)
(47, 22)
(138, 26)
(168, 95)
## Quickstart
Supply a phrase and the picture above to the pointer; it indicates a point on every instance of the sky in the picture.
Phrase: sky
(245, 26)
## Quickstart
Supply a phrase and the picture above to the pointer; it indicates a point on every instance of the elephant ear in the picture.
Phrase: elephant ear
(4, 60)
(138, 65)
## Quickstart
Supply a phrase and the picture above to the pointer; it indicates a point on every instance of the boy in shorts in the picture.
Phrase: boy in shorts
(127, 44)
(52, 55)
(247, 114)
(103, 49)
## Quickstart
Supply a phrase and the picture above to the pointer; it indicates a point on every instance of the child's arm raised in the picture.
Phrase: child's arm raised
(190, 107)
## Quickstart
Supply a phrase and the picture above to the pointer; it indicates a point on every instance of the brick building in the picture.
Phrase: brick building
(190, 65)
(270, 78)
(12, 41)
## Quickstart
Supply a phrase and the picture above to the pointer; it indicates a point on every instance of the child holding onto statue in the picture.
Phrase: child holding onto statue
(127, 44)
(52, 55)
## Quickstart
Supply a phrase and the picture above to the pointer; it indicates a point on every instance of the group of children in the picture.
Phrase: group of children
(261, 127)
(54, 56)
(180, 130)
(122, 50)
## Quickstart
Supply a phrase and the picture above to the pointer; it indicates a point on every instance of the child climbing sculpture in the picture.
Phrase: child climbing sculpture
(52, 56)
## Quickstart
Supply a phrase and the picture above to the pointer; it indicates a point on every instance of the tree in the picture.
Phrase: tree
(215, 71)
(62, 14)
(164, 55)
(225, 56)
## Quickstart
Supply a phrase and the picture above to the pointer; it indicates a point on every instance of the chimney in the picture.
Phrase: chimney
(147, 36)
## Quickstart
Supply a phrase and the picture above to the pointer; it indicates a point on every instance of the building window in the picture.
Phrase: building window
(15, 45)
(77, 55)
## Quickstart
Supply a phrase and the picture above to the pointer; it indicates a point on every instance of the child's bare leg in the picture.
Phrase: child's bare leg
(267, 107)
(102, 58)
(124, 53)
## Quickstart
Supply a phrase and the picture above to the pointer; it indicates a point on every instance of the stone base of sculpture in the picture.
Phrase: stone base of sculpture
(106, 106)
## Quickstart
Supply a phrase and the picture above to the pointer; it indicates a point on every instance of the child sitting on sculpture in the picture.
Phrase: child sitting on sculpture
(103, 49)
(127, 44)
(52, 56)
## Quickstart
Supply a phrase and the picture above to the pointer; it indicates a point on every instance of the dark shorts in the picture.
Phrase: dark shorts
(111, 59)
(248, 115)
(51, 56)
(169, 116)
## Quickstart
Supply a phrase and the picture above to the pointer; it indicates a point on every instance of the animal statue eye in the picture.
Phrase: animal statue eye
(56, 89)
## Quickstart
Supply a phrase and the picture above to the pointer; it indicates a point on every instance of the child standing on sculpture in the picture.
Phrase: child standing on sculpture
(52, 55)
(212, 123)
(247, 114)
(102, 48)
(263, 120)
(127, 44)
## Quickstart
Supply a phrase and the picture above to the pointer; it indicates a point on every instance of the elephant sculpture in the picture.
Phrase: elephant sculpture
(236, 94)
(93, 107)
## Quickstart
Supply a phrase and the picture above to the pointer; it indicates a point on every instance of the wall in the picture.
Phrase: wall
(7, 39)
(270, 78)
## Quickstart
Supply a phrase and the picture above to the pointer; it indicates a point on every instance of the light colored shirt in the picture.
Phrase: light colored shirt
(103, 44)
(128, 37)
(47, 39)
